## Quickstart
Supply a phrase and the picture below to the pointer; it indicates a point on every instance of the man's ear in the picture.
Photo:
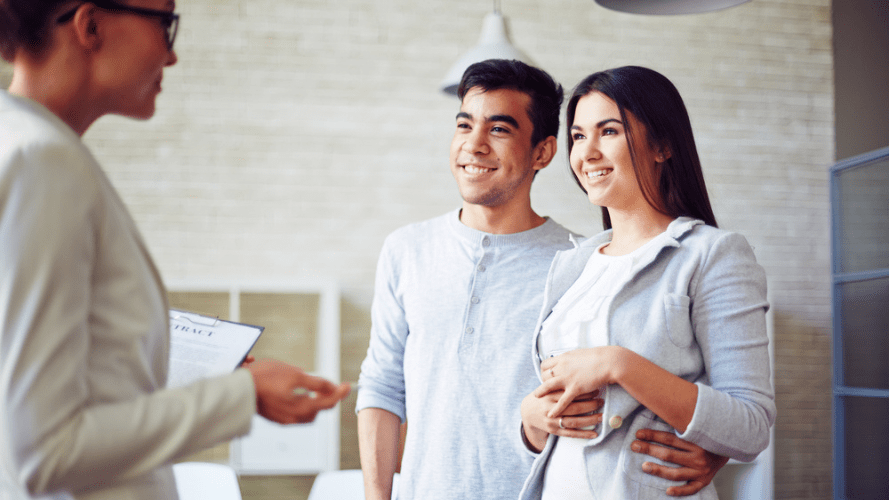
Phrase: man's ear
(544, 152)
(86, 27)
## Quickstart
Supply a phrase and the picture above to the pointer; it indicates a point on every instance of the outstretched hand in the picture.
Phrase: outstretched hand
(287, 395)
(698, 466)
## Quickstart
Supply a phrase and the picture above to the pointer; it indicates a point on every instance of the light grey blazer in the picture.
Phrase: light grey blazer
(695, 305)
(84, 333)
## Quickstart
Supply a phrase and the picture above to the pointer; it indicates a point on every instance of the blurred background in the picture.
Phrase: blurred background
(293, 136)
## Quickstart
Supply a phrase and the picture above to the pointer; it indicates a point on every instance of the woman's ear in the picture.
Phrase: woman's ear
(86, 27)
(663, 154)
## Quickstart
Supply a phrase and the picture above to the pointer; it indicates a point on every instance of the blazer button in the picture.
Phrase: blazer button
(615, 422)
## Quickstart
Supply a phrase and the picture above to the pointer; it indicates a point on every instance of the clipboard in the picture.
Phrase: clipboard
(204, 346)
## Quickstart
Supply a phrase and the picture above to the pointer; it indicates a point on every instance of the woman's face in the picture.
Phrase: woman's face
(600, 157)
(131, 67)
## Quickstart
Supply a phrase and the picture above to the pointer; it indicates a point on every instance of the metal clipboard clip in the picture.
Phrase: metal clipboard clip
(198, 320)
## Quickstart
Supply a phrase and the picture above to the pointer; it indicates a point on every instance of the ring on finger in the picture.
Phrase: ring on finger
(560, 423)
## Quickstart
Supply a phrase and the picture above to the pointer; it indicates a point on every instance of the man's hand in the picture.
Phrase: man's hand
(287, 395)
(698, 466)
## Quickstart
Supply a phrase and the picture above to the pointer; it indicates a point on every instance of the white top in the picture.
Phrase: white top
(579, 321)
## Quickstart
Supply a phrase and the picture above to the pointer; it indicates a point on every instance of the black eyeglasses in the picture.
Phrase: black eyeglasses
(169, 20)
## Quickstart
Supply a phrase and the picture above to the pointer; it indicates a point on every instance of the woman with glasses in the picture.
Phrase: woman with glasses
(84, 336)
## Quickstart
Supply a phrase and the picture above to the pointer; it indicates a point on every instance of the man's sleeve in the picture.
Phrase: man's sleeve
(381, 383)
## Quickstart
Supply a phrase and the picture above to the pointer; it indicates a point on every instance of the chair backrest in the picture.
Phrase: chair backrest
(342, 485)
(206, 481)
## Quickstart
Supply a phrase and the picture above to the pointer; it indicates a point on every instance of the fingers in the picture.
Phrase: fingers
(575, 433)
(316, 384)
(578, 426)
(285, 394)
(671, 473)
(666, 438)
(559, 408)
(678, 451)
(547, 387)
(327, 401)
(584, 407)
(685, 490)
(547, 363)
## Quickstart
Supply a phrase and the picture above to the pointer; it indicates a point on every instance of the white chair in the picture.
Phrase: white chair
(342, 485)
(206, 481)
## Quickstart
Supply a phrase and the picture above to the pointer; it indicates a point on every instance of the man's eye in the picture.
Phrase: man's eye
(499, 129)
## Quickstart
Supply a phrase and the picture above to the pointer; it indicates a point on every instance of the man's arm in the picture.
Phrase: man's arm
(379, 435)
(698, 466)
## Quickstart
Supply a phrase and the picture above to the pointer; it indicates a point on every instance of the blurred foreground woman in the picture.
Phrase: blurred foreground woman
(84, 412)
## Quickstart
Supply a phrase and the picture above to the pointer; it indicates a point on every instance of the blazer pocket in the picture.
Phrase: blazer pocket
(677, 317)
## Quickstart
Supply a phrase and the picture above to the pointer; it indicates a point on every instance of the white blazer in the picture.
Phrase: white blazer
(85, 338)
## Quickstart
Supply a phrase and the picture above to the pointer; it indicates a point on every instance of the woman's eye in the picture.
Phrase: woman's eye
(609, 131)
(577, 137)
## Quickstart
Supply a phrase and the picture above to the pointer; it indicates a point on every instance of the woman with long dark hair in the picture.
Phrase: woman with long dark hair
(663, 314)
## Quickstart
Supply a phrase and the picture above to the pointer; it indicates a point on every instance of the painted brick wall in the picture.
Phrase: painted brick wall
(291, 137)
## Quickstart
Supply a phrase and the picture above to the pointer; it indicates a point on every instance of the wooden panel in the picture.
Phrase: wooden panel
(290, 322)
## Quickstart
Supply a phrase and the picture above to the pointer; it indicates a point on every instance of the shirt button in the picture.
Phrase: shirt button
(475, 300)
(615, 422)
(486, 242)
(481, 268)
(469, 329)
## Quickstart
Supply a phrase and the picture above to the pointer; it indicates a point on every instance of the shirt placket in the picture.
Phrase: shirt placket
(472, 324)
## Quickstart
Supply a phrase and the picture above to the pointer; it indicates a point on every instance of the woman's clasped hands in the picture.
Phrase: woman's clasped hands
(577, 373)
(567, 403)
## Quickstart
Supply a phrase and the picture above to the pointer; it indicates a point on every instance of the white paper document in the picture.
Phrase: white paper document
(203, 346)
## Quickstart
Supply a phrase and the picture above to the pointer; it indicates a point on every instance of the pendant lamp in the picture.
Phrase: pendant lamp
(492, 44)
(668, 7)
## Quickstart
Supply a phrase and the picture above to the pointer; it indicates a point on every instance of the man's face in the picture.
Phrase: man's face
(491, 154)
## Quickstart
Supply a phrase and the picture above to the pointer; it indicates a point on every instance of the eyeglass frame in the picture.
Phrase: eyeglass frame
(169, 20)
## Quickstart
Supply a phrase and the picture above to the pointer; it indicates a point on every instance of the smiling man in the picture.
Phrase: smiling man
(455, 304)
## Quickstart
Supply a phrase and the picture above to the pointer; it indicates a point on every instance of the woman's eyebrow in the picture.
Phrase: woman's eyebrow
(600, 124)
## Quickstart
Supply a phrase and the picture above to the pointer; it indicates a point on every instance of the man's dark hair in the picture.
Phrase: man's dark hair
(546, 94)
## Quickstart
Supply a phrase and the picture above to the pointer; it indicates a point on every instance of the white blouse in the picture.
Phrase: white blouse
(579, 321)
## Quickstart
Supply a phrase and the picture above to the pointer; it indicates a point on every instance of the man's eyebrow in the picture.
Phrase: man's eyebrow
(493, 118)
(504, 118)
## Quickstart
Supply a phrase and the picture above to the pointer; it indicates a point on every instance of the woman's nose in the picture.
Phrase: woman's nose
(589, 150)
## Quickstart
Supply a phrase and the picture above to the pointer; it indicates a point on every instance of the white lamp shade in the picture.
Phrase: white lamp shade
(492, 44)
(668, 7)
